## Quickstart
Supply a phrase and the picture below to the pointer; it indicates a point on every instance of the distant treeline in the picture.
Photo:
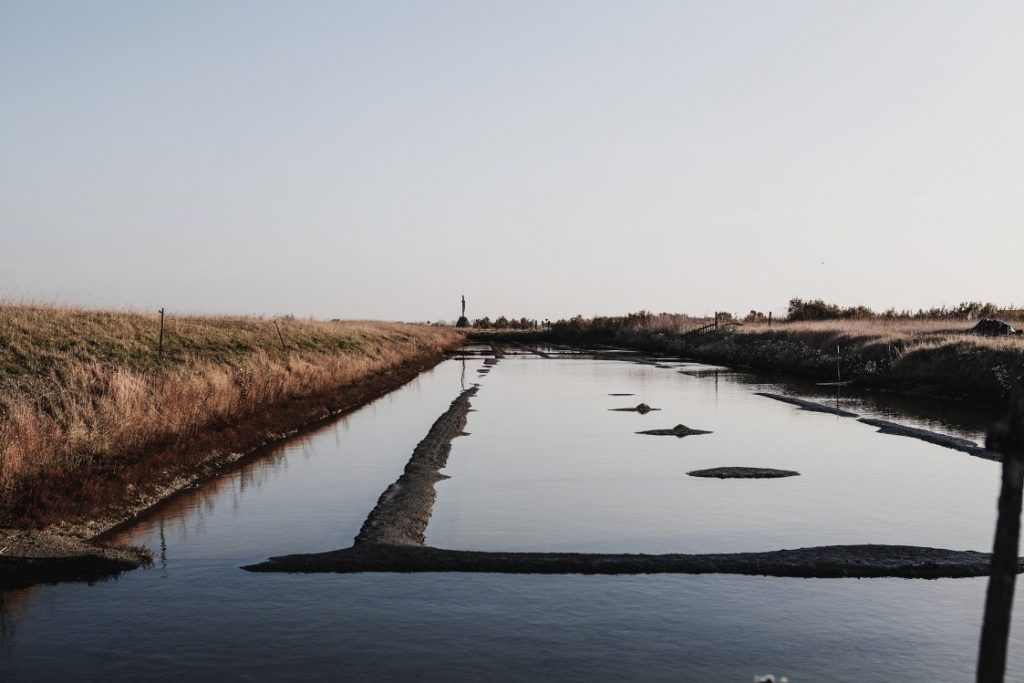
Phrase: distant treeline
(798, 310)
(503, 323)
(817, 309)
(608, 327)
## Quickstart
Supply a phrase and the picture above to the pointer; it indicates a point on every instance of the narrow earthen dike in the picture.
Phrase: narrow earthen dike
(392, 539)
(403, 510)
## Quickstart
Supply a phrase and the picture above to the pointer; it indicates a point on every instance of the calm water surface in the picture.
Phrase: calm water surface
(547, 466)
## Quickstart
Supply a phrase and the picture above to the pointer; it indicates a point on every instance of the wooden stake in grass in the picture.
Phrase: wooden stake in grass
(1006, 438)
(160, 344)
(281, 337)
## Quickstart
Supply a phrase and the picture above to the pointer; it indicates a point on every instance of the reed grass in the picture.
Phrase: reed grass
(934, 357)
(85, 392)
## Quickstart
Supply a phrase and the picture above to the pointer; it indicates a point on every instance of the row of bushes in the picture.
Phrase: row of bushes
(817, 309)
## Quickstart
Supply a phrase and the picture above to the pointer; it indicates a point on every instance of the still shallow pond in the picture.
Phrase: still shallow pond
(547, 467)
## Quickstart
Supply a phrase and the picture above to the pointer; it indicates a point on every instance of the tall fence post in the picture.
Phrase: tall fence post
(280, 336)
(160, 344)
(716, 320)
(1008, 439)
(769, 318)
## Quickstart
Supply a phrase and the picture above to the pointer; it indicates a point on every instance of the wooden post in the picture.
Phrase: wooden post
(769, 318)
(1008, 439)
(160, 344)
(280, 336)
(716, 320)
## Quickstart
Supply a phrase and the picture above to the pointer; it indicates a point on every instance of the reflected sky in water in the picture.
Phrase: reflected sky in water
(546, 466)
(550, 467)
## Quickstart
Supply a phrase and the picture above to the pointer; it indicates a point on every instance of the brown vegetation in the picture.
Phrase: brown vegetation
(85, 398)
(934, 357)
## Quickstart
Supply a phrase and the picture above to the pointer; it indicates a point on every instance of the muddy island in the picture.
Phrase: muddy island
(641, 408)
(743, 473)
(679, 430)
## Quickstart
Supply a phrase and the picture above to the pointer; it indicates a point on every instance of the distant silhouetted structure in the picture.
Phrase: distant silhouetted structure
(463, 320)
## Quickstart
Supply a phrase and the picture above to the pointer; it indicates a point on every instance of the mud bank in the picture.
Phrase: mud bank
(743, 473)
(643, 409)
(77, 549)
(678, 431)
(823, 562)
(888, 427)
(808, 405)
(954, 442)
(28, 558)
(403, 510)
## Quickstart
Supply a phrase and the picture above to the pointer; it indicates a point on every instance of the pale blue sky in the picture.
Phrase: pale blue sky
(379, 159)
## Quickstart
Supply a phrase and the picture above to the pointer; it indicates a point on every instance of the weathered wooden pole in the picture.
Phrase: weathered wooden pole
(160, 344)
(281, 337)
(716, 320)
(1008, 439)
(769, 318)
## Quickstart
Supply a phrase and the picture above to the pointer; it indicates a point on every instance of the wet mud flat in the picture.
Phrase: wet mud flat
(392, 539)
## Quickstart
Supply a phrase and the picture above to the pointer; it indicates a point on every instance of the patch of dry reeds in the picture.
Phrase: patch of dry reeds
(86, 391)
(935, 357)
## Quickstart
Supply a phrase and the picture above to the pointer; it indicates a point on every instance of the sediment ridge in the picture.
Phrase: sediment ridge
(403, 510)
(834, 561)
(807, 405)
(954, 442)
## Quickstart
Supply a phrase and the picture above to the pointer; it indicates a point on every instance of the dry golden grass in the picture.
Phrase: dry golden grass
(933, 357)
(902, 334)
(84, 390)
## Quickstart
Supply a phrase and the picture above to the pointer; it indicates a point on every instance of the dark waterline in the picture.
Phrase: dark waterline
(196, 615)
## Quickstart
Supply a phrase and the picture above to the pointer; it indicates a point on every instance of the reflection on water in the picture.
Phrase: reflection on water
(546, 466)
(13, 606)
(549, 468)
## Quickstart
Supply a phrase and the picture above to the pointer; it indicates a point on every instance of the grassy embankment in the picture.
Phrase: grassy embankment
(939, 358)
(90, 416)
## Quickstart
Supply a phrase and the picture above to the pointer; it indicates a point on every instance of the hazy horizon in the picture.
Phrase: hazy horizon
(379, 160)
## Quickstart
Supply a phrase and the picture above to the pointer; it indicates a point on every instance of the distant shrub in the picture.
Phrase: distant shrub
(817, 309)
(755, 317)
(504, 323)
